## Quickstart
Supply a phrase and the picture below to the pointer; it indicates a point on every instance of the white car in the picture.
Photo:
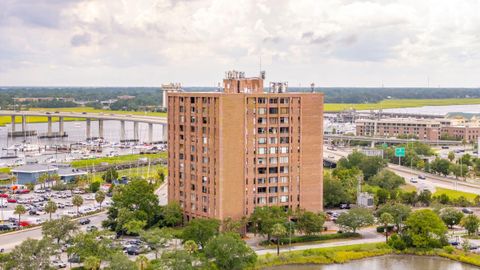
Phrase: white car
(59, 264)
(39, 191)
(413, 180)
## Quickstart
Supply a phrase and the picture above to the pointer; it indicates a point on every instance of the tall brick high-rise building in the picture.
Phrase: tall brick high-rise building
(233, 150)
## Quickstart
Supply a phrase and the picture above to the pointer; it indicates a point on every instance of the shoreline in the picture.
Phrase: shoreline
(347, 254)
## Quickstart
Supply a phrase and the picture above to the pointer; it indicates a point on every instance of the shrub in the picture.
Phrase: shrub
(397, 242)
(381, 229)
(311, 238)
(448, 249)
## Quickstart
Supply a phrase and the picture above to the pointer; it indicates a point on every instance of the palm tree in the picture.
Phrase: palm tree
(278, 230)
(385, 219)
(19, 210)
(77, 200)
(50, 208)
(142, 262)
(42, 179)
(54, 178)
(100, 197)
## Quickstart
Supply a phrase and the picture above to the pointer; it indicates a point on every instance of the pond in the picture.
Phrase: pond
(387, 262)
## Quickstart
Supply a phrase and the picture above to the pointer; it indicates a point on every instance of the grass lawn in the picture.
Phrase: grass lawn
(115, 160)
(39, 119)
(400, 103)
(408, 188)
(133, 172)
(4, 170)
(453, 194)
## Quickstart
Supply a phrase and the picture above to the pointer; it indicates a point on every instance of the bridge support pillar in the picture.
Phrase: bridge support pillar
(165, 132)
(135, 131)
(61, 127)
(150, 132)
(89, 128)
(373, 144)
(24, 124)
(122, 130)
(100, 128)
(49, 131)
(13, 123)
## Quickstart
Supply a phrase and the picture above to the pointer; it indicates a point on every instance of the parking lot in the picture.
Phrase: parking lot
(35, 202)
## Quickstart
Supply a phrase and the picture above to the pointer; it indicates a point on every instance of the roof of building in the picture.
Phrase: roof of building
(34, 168)
(70, 172)
(4, 176)
(400, 120)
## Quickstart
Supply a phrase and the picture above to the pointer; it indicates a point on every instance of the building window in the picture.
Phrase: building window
(273, 150)
(261, 130)
(272, 160)
(283, 179)
(272, 110)
(261, 190)
(284, 139)
(283, 189)
(273, 140)
(284, 129)
(273, 101)
(283, 159)
(272, 189)
(273, 170)
(192, 187)
(261, 100)
(284, 198)
(261, 180)
(262, 150)
(284, 110)
(262, 111)
(283, 120)
(284, 149)
(272, 199)
(272, 130)
(262, 120)
(272, 180)
(262, 170)
(283, 169)
(261, 161)
(261, 200)
(262, 140)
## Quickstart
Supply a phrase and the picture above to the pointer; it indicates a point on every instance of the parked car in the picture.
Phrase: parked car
(413, 180)
(5, 227)
(59, 264)
(74, 258)
(133, 250)
(3, 195)
(422, 176)
(84, 221)
(11, 200)
(467, 211)
(40, 191)
(345, 206)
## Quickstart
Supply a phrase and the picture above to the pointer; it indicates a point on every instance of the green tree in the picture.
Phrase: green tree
(229, 252)
(77, 200)
(382, 196)
(201, 230)
(60, 229)
(355, 218)
(233, 226)
(425, 228)
(156, 239)
(172, 214)
(42, 179)
(190, 246)
(100, 197)
(440, 166)
(451, 156)
(19, 210)
(134, 226)
(138, 198)
(263, 219)
(410, 198)
(50, 208)
(142, 262)
(399, 212)
(425, 197)
(178, 260)
(309, 222)
(334, 192)
(278, 231)
(470, 223)
(451, 216)
(119, 261)
(91, 245)
(32, 254)
(387, 180)
(386, 219)
(110, 175)
(92, 263)
(94, 187)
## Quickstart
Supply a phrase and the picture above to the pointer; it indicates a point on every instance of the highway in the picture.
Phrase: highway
(101, 116)
(430, 183)
(9, 240)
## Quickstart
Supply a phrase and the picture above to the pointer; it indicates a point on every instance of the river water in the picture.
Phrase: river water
(387, 263)
(77, 132)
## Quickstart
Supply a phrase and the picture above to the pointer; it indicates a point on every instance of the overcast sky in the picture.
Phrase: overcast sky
(329, 42)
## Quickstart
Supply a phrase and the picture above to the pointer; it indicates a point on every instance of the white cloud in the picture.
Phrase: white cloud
(331, 42)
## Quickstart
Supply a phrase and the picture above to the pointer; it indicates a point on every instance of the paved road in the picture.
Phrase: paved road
(430, 183)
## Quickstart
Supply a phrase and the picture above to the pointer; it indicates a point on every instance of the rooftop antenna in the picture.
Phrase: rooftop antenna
(312, 87)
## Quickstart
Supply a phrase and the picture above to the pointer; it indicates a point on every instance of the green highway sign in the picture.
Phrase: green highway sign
(400, 151)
